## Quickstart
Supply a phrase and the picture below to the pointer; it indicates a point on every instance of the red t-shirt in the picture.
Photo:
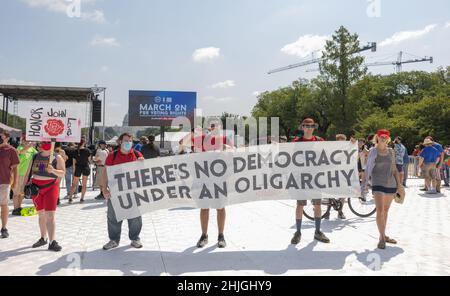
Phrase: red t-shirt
(199, 143)
(8, 158)
(122, 158)
(313, 139)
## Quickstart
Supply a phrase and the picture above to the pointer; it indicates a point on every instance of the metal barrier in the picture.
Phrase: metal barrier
(413, 168)
(90, 183)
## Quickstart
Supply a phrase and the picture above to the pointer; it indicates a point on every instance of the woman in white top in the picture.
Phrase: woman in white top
(100, 157)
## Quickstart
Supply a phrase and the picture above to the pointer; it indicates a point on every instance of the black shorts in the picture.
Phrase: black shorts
(82, 170)
(315, 202)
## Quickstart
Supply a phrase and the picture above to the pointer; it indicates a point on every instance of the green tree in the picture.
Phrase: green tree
(339, 70)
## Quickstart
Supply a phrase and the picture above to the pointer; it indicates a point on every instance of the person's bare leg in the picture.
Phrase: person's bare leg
(317, 211)
(51, 225)
(379, 202)
(221, 215)
(4, 214)
(387, 205)
(84, 186)
(75, 182)
(299, 212)
(204, 220)
(43, 224)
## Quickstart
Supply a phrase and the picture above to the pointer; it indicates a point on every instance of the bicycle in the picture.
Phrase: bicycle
(363, 207)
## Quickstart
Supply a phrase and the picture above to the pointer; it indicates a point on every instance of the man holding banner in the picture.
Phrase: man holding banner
(124, 154)
(308, 126)
(214, 141)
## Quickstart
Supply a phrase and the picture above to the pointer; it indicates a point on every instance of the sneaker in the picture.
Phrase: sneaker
(54, 246)
(110, 245)
(341, 216)
(321, 237)
(203, 241)
(221, 242)
(100, 197)
(82, 200)
(70, 200)
(4, 233)
(296, 239)
(41, 242)
(16, 212)
(136, 244)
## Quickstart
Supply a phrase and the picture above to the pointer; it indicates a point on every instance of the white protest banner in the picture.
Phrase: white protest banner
(290, 171)
(57, 122)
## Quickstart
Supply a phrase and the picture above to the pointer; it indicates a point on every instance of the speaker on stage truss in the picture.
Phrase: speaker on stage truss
(96, 111)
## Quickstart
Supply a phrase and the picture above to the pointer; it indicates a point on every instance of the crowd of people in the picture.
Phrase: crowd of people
(34, 171)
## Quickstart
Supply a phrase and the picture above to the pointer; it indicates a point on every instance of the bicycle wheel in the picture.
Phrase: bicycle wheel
(308, 210)
(363, 207)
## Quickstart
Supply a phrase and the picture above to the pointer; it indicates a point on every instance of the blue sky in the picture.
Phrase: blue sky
(220, 49)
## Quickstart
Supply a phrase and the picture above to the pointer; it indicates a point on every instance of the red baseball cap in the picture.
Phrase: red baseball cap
(383, 133)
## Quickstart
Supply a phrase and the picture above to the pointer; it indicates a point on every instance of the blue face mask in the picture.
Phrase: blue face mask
(127, 146)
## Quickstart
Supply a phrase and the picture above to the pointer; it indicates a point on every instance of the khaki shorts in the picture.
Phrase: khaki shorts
(4, 194)
(315, 202)
(99, 175)
(21, 185)
(429, 171)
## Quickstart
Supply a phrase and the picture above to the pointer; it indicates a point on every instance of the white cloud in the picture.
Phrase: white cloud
(224, 84)
(96, 16)
(211, 99)
(305, 45)
(14, 81)
(407, 35)
(447, 25)
(102, 41)
(207, 53)
(62, 6)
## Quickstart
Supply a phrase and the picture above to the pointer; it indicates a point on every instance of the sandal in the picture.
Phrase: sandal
(382, 245)
(390, 240)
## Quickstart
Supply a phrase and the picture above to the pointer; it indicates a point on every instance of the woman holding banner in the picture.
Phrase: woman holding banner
(46, 169)
(385, 180)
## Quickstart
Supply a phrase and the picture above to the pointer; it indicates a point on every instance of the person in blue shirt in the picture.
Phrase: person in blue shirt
(142, 141)
(438, 165)
(429, 157)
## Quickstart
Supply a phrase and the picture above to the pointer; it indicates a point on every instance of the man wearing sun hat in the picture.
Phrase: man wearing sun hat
(308, 126)
(429, 158)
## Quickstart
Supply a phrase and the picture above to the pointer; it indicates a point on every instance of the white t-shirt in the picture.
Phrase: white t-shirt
(101, 155)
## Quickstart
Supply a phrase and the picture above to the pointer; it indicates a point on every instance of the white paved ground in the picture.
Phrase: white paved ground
(258, 237)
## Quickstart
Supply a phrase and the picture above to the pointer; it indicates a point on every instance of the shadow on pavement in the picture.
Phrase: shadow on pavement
(208, 260)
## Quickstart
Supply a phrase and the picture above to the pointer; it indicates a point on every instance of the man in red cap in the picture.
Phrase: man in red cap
(308, 126)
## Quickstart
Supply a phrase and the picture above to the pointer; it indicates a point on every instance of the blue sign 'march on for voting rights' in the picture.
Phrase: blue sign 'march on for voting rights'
(159, 108)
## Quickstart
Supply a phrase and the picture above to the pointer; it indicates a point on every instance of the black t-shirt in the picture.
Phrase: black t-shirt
(82, 156)
(70, 152)
(150, 151)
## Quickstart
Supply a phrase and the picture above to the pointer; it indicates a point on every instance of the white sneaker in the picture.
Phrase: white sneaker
(110, 245)
(136, 244)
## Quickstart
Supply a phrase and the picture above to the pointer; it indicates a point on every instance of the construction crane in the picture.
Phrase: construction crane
(371, 46)
(400, 62)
